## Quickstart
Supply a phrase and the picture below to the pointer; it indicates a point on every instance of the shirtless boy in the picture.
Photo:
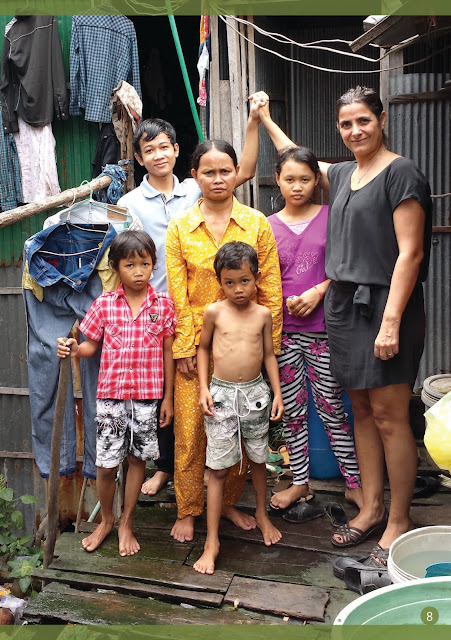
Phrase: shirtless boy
(237, 404)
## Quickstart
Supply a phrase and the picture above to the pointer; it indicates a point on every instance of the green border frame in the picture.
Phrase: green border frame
(229, 7)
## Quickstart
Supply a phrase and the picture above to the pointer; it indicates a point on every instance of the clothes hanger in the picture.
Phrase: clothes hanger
(112, 212)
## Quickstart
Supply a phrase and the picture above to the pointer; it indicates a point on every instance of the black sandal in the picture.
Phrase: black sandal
(352, 536)
(379, 557)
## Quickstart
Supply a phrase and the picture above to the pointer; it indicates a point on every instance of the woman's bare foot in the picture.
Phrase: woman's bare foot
(155, 484)
(355, 496)
(241, 519)
(285, 498)
(128, 544)
(90, 543)
(183, 529)
(271, 535)
(363, 521)
(206, 563)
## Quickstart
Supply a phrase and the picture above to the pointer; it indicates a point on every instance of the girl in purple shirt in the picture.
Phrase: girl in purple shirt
(300, 233)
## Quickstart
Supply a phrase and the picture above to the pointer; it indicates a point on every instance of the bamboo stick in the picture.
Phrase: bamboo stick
(63, 198)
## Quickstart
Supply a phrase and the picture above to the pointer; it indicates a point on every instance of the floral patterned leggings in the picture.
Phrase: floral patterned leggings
(310, 351)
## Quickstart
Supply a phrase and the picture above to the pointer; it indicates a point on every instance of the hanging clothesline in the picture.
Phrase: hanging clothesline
(61, 199)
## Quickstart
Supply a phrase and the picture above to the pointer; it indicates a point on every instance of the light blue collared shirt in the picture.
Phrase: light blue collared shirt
(155, 210)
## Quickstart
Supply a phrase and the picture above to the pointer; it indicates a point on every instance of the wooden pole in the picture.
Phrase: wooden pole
(61, 199)
(55, 454)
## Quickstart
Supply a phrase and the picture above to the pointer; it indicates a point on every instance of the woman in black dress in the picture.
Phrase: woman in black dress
(376, 257)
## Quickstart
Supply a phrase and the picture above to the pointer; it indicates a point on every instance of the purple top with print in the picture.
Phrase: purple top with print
(302, 265)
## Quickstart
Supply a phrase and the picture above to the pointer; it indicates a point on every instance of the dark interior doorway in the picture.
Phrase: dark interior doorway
(163, 88)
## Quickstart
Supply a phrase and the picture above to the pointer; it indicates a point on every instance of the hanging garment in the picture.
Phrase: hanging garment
(37, 160)
(10, 186)
(62, 260)
(204, 60)
(126, 111)
(103, 51)
(115, 189)
(33, 85)
(107, 149)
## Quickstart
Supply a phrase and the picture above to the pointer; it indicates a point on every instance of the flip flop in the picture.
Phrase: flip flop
(336, 514)
(363, 580)
(303, 512)
(425, 486)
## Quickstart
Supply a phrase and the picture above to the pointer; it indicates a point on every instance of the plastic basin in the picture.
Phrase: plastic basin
(399, 604)
(414, 551)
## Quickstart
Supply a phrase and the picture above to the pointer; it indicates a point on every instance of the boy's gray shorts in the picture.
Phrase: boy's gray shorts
(125, 427)
(241, 412)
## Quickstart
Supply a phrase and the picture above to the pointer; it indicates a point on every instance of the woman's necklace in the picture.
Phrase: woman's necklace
(372, 163)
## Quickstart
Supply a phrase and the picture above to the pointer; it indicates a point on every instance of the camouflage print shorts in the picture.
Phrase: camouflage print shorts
(125, 427)
(241, 413)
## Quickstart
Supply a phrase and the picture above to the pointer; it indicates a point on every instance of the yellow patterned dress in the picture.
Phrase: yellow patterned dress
(192, 284)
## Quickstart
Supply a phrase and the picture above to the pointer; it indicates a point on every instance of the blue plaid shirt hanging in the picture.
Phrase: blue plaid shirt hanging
(103, 51)
(10, 185)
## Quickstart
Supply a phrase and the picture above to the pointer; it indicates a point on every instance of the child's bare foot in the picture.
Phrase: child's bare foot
(355, 496)
(155, 484)
(90, 543)
(283, 499)
(271, 535)
(128, 544)
(183, 529)
(241, 519)
(206, 563)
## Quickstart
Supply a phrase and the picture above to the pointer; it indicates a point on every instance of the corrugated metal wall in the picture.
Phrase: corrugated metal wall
(422, 131)
(76, 140)
(303, 99)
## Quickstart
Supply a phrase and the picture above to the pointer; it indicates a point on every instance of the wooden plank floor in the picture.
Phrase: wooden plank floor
(253, 584)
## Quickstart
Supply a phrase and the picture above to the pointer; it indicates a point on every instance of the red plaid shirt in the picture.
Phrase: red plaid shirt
(131, 365)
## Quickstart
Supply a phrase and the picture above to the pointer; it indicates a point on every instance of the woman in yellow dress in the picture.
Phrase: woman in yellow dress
(191, 245)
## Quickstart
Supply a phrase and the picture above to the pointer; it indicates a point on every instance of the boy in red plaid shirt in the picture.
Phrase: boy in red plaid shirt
(136, 371)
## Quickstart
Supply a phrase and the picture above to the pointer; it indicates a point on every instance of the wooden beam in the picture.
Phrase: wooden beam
(236, 98)
(374, 32)
(423, 96)
(244, 95)
(252, 89)
(27, 455)
(61, 199)
(391, 65)
(23, 391)
(10, 291)
(215, 93)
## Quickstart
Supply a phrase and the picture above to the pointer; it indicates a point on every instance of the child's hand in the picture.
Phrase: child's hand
(257, 100)
(277, 409)
(305, 303)
(166, 412)
(66, 347)
(206, 403)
